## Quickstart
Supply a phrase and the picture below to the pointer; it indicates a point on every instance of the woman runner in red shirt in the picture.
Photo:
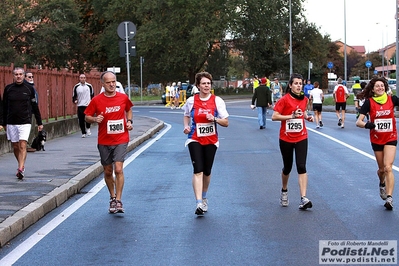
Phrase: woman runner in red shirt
(383, 135)
(291, 111)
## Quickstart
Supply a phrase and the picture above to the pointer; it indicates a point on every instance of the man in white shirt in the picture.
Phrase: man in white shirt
(119, 88)
(82, 94)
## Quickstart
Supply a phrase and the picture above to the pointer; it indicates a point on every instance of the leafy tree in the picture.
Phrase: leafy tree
(218, 61)
(55, 40)
(261, 30)
(177, 37)
(44, 32)
(360, 68)
(353, 58)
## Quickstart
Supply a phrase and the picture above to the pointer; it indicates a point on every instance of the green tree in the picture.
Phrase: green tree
(360, 68)
(178, 37)
(43, 33)
(261, 30)
(55, 40)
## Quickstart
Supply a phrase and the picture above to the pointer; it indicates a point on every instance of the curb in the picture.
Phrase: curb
(22, 219)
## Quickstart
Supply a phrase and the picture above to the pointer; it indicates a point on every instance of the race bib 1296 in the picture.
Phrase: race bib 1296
(206, 129)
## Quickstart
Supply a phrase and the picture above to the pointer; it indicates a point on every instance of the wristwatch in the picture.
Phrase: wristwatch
(131, 121)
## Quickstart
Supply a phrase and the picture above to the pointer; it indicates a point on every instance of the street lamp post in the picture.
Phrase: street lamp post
(345, 65)
(290, 43)
(397, 44)
(382, 51)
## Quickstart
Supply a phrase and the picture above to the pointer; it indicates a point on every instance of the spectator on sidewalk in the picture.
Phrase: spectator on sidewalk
(113, 113)
(32, 134)
(82, 94)
(19, 102)
(1, 114)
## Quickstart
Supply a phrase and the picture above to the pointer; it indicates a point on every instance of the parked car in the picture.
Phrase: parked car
(163, 97)
(392, 84)
(185, 86)
(133, 88)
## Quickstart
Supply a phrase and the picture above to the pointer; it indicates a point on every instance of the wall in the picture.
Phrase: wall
(54, 88)
(55, 129)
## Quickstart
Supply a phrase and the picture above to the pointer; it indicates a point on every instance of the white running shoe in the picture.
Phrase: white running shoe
(305, 203)
(83, 135)
(205, 205)
(284, 199)
(389, 203)
(383, 193)
(88, 133)
(200, 209)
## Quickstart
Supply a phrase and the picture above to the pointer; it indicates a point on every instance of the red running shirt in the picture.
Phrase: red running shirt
(340, 95)
(203, 130)
(383, 116)
(292, 130)
(112, 130)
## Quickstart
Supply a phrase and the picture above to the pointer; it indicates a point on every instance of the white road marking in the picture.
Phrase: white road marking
(29, 243)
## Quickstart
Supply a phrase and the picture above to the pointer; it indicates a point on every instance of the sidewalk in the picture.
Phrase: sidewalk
(54, 175)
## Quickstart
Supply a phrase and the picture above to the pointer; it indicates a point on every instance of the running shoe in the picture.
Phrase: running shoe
(284, 199)
(389, 203)
(200, 209)
(83, 135)
(305, 203)
(205, 205)
(119, 207)
(20, 173)
(321, 123)
(317, 126)
(88, 132)
(342, 126)
(339, 122)
(383, 193)
(112, 205)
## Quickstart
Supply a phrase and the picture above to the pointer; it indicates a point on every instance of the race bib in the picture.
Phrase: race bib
(206, 129)
(383, 125)
(294, 125)
(115, 126)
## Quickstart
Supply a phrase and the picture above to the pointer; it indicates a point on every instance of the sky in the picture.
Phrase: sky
(369, 23)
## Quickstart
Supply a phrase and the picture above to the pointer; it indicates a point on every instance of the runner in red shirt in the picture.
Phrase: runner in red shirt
(113, 112)
(291, 111)
(340, 94)
(202, 114)
(383, 134)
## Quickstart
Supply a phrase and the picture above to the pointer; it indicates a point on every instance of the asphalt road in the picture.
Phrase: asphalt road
(245, 224)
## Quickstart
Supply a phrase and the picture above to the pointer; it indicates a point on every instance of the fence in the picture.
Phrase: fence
(54, 88)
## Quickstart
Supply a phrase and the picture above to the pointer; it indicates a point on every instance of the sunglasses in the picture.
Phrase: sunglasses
(30, 77)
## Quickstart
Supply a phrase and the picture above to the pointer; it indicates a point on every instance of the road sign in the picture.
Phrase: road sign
(114, 69)
(375, 72)
(330, 65)
(126, 29)
(368, 64)
(131, 47)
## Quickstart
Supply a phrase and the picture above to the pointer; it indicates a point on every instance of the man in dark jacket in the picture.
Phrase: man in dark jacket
(262, 96)
(19, 102)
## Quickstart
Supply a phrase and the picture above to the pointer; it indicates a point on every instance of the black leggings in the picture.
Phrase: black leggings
(81, 117)
(287, 152)
(202, 157)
